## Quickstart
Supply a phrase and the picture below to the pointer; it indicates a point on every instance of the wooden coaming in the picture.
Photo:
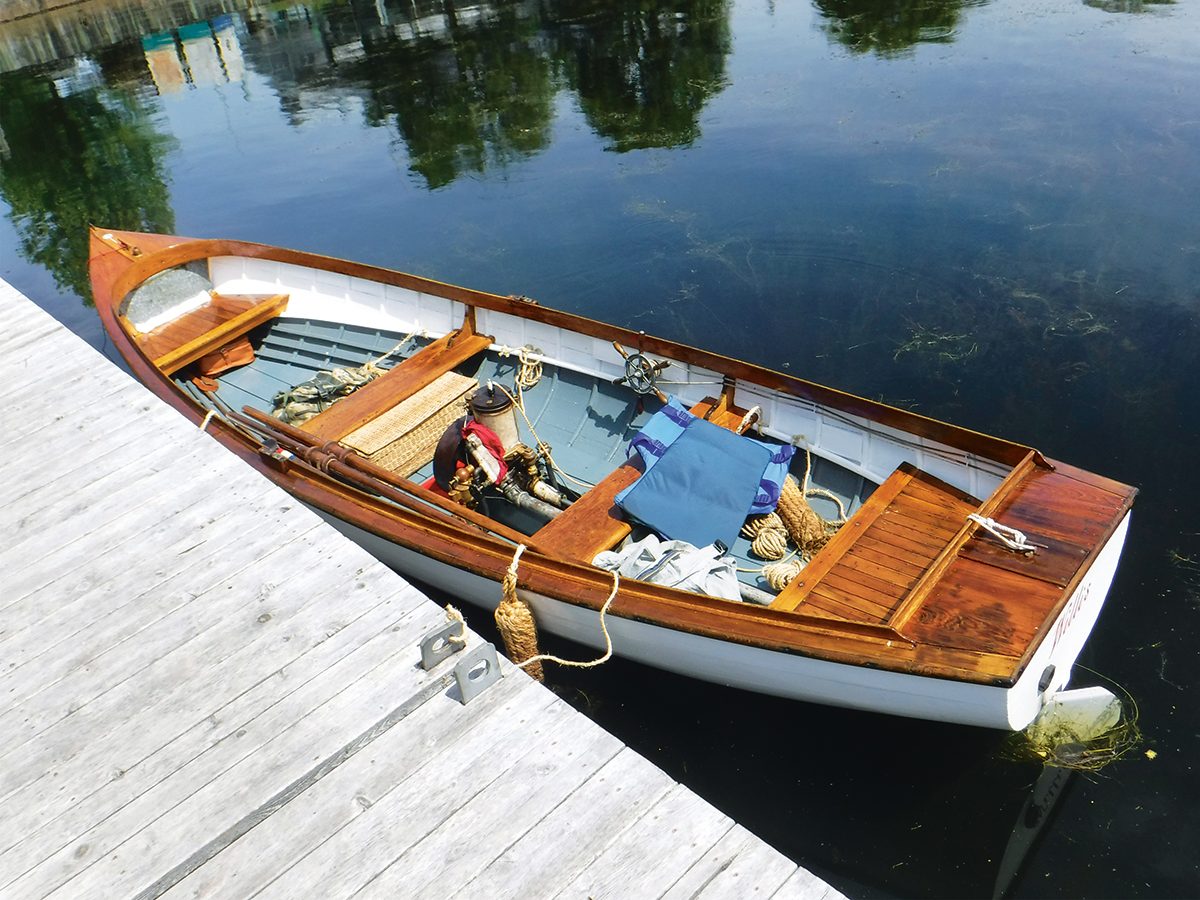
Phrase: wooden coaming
(956, 633)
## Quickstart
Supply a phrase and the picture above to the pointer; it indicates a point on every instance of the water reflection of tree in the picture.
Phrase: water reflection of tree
(643, 70)
(472, 97)
(1126, 6)
(468, 99)
(89, 156)
(891, 27)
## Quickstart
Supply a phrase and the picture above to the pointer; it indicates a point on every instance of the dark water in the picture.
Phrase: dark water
(986, 212)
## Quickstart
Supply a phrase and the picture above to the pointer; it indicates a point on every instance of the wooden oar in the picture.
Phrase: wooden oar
(361, 471)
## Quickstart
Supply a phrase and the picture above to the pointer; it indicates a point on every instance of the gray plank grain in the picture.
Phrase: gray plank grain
(738, 866)
(656, 851)
(548, 856)
(135, 791)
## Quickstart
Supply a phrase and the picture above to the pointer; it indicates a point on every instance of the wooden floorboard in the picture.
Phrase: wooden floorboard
(205, 691)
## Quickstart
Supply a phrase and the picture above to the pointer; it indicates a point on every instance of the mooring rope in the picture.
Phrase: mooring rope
(752, 415)
(519, 630)
(454, 615)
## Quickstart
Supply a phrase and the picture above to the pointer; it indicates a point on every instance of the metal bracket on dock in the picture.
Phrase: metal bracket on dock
(477, 671)
(437, 645)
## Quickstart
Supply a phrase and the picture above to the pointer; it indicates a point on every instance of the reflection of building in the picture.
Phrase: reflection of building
(162, 58)
(203, 56)
(229, 47)
(30, 36)
(82, 75)
(200, 52)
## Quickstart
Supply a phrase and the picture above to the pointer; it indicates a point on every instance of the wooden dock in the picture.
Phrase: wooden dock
(206, 691)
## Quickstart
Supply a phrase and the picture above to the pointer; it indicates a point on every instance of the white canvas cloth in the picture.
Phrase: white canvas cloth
(675, 564)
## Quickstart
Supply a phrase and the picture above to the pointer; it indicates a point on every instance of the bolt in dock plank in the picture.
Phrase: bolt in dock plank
(208, 692)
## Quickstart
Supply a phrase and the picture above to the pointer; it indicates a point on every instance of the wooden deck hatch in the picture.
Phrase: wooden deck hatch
(879, 557)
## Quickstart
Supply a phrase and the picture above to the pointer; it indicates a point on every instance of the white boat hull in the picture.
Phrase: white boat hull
(790, 675)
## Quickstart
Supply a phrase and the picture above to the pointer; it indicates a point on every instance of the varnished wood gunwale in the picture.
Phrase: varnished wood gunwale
(116, 271)
(180, 250)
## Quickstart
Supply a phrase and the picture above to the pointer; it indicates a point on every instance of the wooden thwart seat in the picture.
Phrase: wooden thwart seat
(209, 328)
(400, 382)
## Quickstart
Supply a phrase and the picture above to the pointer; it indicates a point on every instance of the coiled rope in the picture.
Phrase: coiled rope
(794, 520)
(780, 574)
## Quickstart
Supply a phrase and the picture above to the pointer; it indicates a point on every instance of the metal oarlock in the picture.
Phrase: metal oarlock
(439, 644)
(477, 671)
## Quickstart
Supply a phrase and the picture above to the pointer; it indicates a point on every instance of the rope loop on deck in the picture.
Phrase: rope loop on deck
(751, 416)
(454, 615)
(1010, 537)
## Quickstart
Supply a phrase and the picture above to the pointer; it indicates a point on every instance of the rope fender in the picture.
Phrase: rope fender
(514, 619)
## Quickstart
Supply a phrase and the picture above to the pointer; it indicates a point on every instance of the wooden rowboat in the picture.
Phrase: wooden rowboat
(913, 607)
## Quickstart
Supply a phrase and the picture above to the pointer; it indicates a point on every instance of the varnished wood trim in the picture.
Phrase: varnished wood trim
(794, 594)
(904, 611)
(216, 338)
(852, 643)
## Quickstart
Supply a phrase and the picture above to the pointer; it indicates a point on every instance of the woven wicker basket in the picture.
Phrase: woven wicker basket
(403, 439)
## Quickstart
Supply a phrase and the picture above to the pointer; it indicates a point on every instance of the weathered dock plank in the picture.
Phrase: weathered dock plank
(544, 859)
(205, 691)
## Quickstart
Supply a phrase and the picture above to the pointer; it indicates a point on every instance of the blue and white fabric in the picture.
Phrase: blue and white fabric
(701, 480)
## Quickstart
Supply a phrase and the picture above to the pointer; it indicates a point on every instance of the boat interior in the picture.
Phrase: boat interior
(587, 421)
(910, 575)
(903, 522)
